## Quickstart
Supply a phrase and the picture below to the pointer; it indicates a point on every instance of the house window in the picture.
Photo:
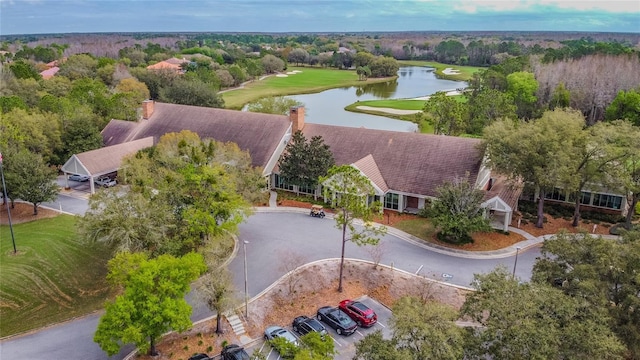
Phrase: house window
(307, 189)
(585, 198)
(556, 194)
(607, 201)
(391, 201)
(281, 183)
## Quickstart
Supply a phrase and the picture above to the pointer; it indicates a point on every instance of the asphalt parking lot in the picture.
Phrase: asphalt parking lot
(344, 345)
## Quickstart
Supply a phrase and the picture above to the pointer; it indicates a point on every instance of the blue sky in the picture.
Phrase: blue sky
(66, 16)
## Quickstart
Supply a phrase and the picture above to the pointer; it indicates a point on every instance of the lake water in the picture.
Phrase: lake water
(327, 107)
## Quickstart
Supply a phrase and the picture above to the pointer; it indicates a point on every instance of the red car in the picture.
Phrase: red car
(359, 312)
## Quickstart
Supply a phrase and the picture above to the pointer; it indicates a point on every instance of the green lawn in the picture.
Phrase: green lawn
(421, 228)
(53, 278)
(310, 80)
(466, 72)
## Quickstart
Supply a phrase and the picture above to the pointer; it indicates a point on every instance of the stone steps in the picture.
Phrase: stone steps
(236, 324)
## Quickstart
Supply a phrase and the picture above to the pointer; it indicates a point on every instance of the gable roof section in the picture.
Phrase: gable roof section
(164, 65)
(104, 160)
(259, 134)
(370, 169)
(118, 131)
(408, 162)
(504, 189)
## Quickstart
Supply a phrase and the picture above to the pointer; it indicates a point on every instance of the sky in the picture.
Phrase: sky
(89, 16)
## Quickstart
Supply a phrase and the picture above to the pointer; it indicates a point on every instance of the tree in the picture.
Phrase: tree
(457, 212)
(303, 163)
(272, 64)
(487, 106)
(152, 301)
(24, 70)
(194, 92)
(445, 114)
(561, 97)
(384, 66)
(363, 58)
(128, 222)
(375, 347)
(539, 153)
(602, 273)
(217, 289)
(426, 330)
(298, 56)
(273, 105)
(421, 330)
(600, 150)
(135, 87)
(534, 321)
(363, 72)
(626, 105)
(350, 192)
(30, 178)
(316, 347)
(522, 86)
(79, 66)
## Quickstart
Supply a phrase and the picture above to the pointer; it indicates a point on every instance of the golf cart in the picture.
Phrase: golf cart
(317, 211)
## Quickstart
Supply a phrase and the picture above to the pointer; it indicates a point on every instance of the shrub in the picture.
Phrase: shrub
(461, 240)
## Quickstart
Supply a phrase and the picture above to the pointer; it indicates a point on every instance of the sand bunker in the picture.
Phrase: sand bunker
(451, 71)
(389, 110)
(282, 75)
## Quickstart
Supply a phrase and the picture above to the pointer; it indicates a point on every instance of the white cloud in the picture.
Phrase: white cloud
(617, 6)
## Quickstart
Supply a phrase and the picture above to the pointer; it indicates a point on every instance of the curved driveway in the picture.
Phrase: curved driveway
(272, 238)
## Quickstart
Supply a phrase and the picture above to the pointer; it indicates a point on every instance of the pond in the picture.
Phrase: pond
(327, 107)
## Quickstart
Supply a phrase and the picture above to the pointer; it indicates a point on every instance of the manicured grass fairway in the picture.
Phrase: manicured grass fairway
(53, 278)
(310, 80)
(466, 72)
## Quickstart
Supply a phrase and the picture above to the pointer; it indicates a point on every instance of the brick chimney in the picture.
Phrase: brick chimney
(147, 109)
(296, 115)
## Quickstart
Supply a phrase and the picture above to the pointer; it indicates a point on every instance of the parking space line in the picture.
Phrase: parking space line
(336, 341)
(361, 334)
(378, 323)
(420, 268)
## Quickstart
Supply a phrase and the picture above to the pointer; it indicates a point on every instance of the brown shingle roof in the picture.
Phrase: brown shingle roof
(408, 162)
(369, 167)
(260, 134)
(117, 131)
(104, 160)
(508, 191)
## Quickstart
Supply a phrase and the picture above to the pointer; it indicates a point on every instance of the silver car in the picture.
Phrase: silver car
(273, 332)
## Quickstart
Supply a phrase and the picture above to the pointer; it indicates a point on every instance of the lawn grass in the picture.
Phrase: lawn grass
(421, 228)
(310, 80)
(466, 72)
(54, 277)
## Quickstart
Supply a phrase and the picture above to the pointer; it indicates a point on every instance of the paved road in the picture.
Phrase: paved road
(272, 237)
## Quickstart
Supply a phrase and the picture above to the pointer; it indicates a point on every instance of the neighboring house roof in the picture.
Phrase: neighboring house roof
(104, 160)
(408, 162)
(259, 134)
(370, 169)
(48, 74)
(162, 65)
(176, 61)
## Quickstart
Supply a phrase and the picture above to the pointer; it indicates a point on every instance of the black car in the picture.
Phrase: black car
(304, 325)
(337, 319)
(200, 356)
(234, 352)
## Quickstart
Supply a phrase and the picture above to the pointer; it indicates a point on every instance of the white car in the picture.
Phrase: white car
(105, 182)
(79, 178)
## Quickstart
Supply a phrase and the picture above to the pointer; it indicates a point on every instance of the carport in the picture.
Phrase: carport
(106, 160)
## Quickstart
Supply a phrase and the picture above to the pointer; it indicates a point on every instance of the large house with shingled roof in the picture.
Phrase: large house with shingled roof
(404, 168)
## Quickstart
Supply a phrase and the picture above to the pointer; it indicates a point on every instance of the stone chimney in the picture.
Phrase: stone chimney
(296, 115)
(147, 109)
